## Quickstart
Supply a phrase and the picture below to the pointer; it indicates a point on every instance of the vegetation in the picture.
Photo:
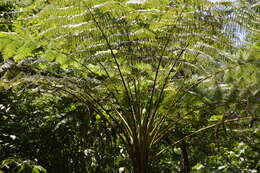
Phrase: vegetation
(129, 86)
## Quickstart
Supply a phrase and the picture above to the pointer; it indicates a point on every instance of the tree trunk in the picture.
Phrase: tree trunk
(185, 156)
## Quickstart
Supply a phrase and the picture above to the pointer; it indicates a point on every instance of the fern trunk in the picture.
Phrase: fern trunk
(140, 161)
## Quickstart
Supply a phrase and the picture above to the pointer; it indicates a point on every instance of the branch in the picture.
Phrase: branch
(201, 130)
(117, 65)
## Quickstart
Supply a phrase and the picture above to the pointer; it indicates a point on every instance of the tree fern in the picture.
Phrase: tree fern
(144, 62)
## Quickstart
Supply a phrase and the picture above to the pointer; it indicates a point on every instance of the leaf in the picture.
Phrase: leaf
(35, 170)
(26, 50)
(23, 167)
(221, 167)
(198, 166)
(216, 117)
(105, 52)
(50, 55)
(98, 117)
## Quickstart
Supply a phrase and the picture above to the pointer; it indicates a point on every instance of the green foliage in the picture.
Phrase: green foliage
(63, 137)
(21, 166)
(242, 158)
(16, 47)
